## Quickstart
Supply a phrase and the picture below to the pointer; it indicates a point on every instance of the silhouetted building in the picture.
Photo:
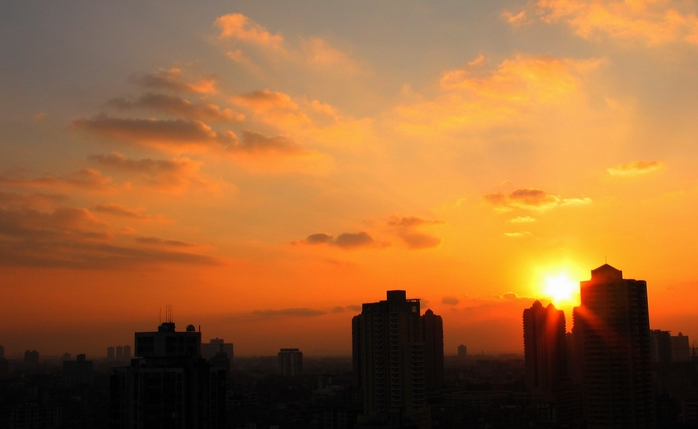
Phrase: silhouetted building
(127, 352)
(462, 352)
(167, 342)
(110, 353)
(77, 372)
(680, 350)
(660, 346)
(4, 365)
(215, 346)
(545, 354)
(290, 362)
(613, 321)
(388, 359)
(170, 385)
(31, 358)
(433, 328)
(2, 352)
(119, 352)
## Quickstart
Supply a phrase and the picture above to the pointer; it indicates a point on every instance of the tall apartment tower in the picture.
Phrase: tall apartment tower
(168, 384)
(546, 359)
(388, 358)
(433, 328)
(545, 348)
(613, 321)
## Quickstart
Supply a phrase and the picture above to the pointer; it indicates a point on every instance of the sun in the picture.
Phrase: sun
(561, 289)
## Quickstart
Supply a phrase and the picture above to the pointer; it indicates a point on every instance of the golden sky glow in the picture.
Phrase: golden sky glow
(266, 167)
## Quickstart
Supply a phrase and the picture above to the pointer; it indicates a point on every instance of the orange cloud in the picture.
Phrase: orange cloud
(121, 211)
(521, 79)
(71, 237)
(653, 22)
(174, 135)
(162, 242)
(345, 240)
(88, 179)
(238, 26)
(176, 174)
(405, 229)
(531, 199)
(636, 168)
(257, 143)
(179, 106)
(173, 80)
(475, 98)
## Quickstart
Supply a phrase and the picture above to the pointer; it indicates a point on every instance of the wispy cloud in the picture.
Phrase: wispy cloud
(405, 227)
(531, 199)
(87, 178)
(240, 27)
(636, 168)
(650, 22)
(173, 79)
(121, 211)
(178, 106)
(177, 174)
(70, 237)
(168, 134)
(345, 240)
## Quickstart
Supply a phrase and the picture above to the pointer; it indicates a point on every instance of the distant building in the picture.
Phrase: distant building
(660, 346)
(290, 362)
(680, 350)
(214, 346)
(110, 353)
(218, 353)
(433, 329)
(4, 364)
(169, 385)
(77, 372)
(613, 321)
(388, 358)
(119, 352)
(462, 352)
(31, 358)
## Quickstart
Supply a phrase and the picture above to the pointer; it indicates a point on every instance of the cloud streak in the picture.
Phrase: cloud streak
(173, 79)
(178, 106)
(531, 199)
(636, 168)
(347, 240)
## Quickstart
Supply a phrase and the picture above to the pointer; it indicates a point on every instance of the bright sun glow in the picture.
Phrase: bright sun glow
(560, 288)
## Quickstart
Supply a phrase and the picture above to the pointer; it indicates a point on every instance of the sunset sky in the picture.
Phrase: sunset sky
(265, 167)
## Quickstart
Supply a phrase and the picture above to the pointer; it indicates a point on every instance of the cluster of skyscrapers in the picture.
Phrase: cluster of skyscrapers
(601, 372)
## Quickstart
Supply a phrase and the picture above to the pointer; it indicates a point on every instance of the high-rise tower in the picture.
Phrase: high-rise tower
(388, 355)
(545, 353)
(613, 321)
(433, 328)
(544, 348)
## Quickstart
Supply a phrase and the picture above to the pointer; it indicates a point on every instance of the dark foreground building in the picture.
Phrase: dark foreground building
(391, 369)
(168, 384)
(613, 321)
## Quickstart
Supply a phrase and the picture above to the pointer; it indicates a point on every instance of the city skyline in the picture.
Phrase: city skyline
(265, 168)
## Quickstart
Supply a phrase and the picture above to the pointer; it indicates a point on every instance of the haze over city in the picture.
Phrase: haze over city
(264, 168)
